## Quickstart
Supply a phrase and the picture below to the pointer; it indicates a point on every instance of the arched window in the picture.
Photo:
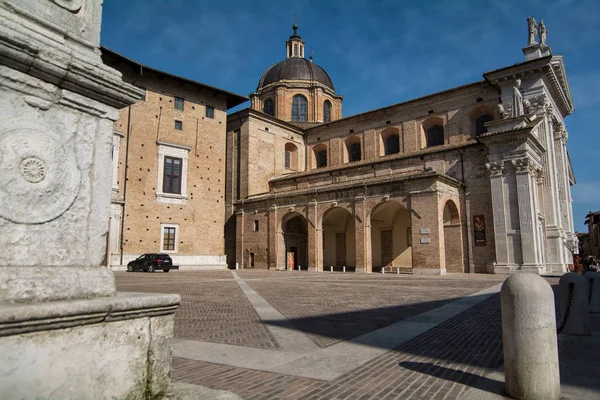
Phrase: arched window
(390, 141)
(327, 111)
(295, 49)
(480, 121)
(434, 135)
(320, 152)
(291, 156)
(299, 109)
(269, 107)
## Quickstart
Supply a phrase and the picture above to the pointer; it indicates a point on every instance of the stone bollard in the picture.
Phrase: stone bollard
(593, 279)
(383, 270)
(398, 270)
(529, 338)
(573, 297)
(331, 268)
(344, 268)
(237, 265)
(299, 267)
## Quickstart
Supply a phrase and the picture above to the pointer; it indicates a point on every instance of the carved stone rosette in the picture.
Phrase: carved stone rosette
(494, 168)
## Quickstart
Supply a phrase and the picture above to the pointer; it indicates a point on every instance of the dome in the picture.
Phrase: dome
(295, 68)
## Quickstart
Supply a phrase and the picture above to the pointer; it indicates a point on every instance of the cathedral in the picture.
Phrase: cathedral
(475, 178)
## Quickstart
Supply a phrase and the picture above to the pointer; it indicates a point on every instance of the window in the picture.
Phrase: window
(178, 125)
(168, 239)
(435, 136)
(144, 95)
(291, 156)
(480, 121)
(327, 111)
(392, 144)
(251, 260)
(210, 112)
(256, 226)
(321, 158)
(354, 152)
(178, 104)
(288, 158)
(295, 49)
(269, 107)
(172, 175)
(299, 109)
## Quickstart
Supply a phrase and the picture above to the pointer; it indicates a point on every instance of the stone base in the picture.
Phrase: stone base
(557, 268)
(533, 268)
(112, 347)
(429, 271)
(505, 268)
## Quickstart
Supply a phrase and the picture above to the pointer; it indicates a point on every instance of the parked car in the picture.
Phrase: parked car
(150, 262)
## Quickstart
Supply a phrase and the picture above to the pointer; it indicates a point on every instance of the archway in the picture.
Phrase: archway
(338, 238)
(453, 249)
(391, 243)
(295, 241)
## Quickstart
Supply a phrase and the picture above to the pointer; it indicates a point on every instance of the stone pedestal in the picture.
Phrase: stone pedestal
(64, 332)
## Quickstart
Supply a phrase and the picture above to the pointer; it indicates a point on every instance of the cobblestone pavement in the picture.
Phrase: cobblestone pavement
(329, 308)
(440, 364)
(213, 307)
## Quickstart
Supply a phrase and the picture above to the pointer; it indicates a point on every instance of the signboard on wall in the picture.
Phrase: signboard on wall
(479, 230)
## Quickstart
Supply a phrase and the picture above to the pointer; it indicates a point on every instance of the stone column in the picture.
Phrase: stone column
(499, 204)
(59, 312)
(274, 227)
(362, 236)
(525, 170)
(315, 237)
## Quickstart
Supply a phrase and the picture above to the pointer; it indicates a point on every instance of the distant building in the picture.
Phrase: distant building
(472, 179)
(592, 220)
(169, 169)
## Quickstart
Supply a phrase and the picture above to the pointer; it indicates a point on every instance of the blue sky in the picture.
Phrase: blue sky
(377, 52)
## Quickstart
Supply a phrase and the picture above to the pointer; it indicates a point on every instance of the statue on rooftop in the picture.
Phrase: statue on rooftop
(533, 29)
(542, 32)
(518, 108)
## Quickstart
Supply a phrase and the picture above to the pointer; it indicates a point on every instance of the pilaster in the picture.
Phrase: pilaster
(362, 235)
(315, 237)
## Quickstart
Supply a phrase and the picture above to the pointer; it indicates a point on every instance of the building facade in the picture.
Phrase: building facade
(169, 169)
(472, 179)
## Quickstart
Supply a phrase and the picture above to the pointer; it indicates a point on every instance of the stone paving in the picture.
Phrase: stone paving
(329, 309)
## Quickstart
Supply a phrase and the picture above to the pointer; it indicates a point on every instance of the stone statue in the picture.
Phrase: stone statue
(533, 28)
(517, 102)
(542, 32)
(502, 112)
(527, 106)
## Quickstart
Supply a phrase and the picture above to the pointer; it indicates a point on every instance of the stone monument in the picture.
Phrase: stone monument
(64, 331)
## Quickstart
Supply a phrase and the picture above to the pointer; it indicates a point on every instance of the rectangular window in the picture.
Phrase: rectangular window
(251, 260)
(256, 226)
(322, 159)
(288, 158)
(178, 104)
(178, 125)
(168, 238)
(172, 175)
(144, 95)
(210, 112)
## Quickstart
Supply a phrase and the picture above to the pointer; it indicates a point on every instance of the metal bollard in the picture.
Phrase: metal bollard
(529, 338)
(383, 270)
(593, 279)
(299, 267)
(573, 297)
(398, 271)
(344, 268)
(331, 269)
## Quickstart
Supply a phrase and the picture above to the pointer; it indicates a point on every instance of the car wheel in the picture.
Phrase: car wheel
(151, 268)
(129, 269)
(166, 270)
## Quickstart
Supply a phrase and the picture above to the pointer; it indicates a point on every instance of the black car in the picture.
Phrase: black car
(150, 262)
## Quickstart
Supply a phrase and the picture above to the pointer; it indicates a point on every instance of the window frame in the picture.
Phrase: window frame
(326, 111)
(353, 152)
(256, 225)
(320, 156)
(288, 159)
(180, 125)
(209, 112)
(271, 110)
(299, 110)
(177, 101)
(174, 151)
(163, 228)
(172, 176)
(429, 136)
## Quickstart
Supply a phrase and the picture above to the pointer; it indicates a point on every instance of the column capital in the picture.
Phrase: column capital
(525, 165)
(560, 133)
(494, 168)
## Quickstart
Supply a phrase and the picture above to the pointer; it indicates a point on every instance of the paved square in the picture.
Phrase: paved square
(276, 334)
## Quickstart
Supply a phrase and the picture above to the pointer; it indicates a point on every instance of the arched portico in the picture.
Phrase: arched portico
(295, 241)
(391, 241)
(338, 238)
